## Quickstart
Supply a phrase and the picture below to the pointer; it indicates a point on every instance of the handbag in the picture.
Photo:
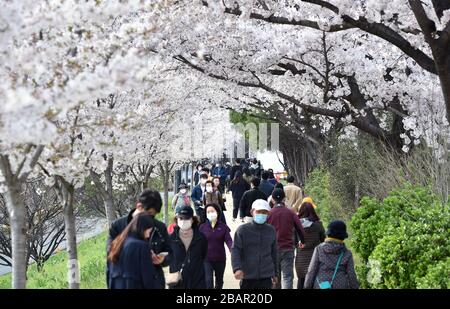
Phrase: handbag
(327, 284)
(175, 279)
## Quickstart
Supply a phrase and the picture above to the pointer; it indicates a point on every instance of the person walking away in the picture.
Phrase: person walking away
(238, 186)
(149, 202)
(247, 174)
(182, 198)
(131, 266)
(217, 234)
(314, 235)
(272, 178)
(332, 265)
(285, 223)
(212, 195)
(197, 195)
(236, 168)
(190, 249)
(248, 198)
(270, 199)
(254, 252)
(293, 193)
(307, 199)
(265, 186)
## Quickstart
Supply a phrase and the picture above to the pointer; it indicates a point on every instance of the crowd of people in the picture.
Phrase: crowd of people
(279, 232)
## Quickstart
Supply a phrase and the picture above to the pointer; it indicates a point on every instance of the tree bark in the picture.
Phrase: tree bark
(65, 192)
(106, 190)
(109, 198)
(165, 174)
(18, 219)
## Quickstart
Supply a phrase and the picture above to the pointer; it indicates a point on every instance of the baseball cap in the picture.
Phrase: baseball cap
(261, 205)
(185, 212)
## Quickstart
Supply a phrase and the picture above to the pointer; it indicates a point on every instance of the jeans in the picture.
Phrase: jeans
(251, 284)
(217, 269)
(285, 269)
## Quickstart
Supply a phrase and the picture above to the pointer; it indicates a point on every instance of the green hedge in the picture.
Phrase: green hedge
(404, 240)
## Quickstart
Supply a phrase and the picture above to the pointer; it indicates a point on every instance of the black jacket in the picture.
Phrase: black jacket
(238, 189)
(134, 269)
(193, 273)
(234, 169)
(159, 242)
(247, 200)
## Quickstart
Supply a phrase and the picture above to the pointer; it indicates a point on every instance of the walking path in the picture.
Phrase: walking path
(229, 282)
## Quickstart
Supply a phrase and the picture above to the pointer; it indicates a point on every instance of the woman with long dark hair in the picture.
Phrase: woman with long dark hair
(314, 235)
(130, 256)
(238, 186)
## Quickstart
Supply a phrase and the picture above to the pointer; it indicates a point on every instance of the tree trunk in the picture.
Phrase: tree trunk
(166, 174)
(65, 192)
(18, 221)
(17, 214)
(106, 190)
(109, 198)
(443, 66)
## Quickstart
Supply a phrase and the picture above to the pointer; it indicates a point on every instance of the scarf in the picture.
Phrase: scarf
(186, 237)
(339, 241)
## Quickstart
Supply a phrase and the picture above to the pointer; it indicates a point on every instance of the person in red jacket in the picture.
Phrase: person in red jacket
(285, 222)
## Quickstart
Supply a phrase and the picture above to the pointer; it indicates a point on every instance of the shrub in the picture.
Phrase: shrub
(405, 234)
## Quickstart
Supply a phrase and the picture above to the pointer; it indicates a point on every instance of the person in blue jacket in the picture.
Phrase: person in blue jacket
(197, 196)
(221, 172)
(131, 265)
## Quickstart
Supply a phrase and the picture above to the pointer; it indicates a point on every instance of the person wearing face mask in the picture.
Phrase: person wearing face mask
(214, 196)
(254, 252)
(150, 203)
(131, 266)
(181, 198)
(217, 234)
(197, 195)
(190, 249)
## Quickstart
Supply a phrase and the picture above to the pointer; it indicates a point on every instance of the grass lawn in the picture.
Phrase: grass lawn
(92, 256)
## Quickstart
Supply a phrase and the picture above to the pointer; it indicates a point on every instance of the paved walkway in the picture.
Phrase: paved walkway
(229, 282)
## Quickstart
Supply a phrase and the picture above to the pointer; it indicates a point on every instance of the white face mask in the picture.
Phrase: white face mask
(183, 191)
(209, 189)
(185, 224)
(212, 216)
